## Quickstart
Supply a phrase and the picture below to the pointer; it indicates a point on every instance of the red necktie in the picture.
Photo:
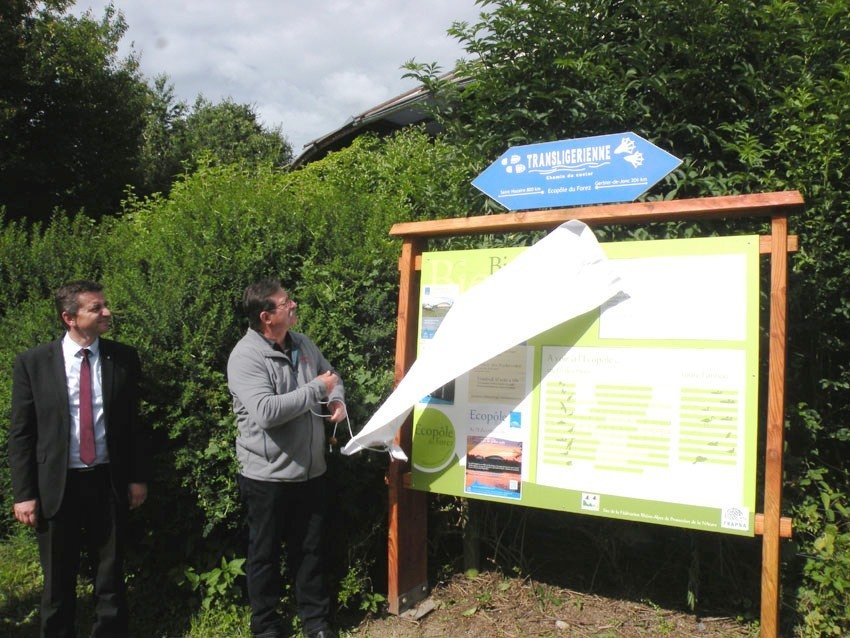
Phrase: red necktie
(87, 454)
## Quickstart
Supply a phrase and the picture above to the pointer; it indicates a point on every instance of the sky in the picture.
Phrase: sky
(307, 66)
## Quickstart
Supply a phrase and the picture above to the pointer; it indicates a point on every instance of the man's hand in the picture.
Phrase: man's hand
(330, 379)
(337, 409)
(27, 512)
(136, 494)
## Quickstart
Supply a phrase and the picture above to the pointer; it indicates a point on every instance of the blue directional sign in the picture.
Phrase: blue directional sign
(589, 170)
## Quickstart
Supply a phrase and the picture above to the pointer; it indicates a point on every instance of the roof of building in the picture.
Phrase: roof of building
(403, 110)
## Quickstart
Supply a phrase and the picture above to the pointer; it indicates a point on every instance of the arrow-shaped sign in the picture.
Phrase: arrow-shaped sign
(589, 170)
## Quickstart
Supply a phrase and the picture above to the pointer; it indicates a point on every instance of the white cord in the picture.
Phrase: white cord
(385, 448)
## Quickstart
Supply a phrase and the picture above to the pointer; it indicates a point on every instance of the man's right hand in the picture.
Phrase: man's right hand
(27, 512)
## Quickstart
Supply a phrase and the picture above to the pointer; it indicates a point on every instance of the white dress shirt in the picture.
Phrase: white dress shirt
(72, 353)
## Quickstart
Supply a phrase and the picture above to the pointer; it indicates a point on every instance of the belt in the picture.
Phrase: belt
(84, 470)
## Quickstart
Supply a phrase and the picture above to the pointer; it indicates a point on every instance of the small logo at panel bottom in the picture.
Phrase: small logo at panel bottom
(590, 502)
(735, 518)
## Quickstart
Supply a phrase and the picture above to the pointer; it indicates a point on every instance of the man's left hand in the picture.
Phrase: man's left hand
(337, 409)
(137, 493)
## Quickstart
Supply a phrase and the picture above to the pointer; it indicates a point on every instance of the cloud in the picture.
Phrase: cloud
(306, 66)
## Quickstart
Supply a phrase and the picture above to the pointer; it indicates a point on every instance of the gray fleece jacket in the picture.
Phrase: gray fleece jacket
(278, 438)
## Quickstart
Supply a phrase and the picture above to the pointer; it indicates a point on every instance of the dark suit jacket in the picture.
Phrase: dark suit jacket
(40, 431)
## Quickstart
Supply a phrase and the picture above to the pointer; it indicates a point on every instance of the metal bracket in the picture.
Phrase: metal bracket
(410, 598)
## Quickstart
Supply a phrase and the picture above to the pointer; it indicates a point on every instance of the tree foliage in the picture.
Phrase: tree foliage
(179, 138)
(163, 148)
(71, 111)
(79, 126)
(231, 133)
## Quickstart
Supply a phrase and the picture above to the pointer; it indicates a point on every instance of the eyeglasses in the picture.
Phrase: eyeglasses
(286, 303)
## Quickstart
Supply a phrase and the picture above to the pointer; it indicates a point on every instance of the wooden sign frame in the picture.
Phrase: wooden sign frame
(406, 548)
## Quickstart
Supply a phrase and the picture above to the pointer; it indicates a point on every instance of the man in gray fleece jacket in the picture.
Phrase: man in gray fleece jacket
(282, 386)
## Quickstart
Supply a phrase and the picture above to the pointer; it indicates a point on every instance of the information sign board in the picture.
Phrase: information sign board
(644, 410)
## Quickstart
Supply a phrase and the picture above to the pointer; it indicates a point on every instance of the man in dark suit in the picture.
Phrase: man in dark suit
(79, 458)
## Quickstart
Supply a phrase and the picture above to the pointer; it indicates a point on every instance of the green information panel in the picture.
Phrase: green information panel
(644, 409)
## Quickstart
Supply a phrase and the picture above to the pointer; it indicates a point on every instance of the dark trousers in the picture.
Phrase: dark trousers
(293, 513)
(89, 518)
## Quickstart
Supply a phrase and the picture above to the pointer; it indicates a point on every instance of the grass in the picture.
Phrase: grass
(20, 586)
(233, 623)
(158, 608)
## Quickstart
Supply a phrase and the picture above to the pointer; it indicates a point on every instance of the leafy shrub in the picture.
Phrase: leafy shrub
(174, 269)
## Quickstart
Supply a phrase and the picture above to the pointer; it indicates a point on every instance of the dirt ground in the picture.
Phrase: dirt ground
(494, 605)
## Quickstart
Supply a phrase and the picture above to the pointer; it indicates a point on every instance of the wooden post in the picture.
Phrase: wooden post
(407, 559)
(775, 429)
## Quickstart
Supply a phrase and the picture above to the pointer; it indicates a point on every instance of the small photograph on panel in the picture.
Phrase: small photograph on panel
(493, 467)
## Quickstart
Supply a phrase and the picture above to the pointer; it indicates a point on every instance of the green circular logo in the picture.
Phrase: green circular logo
(433, 440)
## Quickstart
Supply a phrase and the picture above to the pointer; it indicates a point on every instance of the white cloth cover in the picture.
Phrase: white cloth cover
(562, 276)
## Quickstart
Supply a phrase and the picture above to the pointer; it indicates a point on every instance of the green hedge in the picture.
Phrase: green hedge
(174, 270)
